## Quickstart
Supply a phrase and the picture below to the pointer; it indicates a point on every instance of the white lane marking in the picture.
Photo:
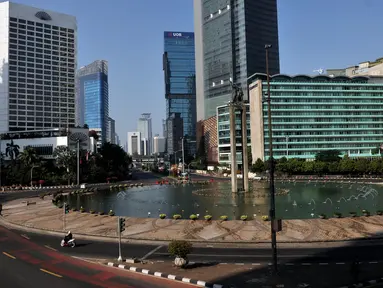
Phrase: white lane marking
(152, 252)
(25, 236)
(340, 263)
(306, 264)
(256, 264)
(323, 263)
(373, 262)
(242, 256)
(49, 247)
(289, 264)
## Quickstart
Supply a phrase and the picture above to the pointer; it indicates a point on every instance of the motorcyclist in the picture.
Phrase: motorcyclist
(68, 237)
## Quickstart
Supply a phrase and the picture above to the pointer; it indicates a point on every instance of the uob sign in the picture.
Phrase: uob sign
(177, 34)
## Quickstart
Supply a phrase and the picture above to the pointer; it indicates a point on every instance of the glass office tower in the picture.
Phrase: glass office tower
(230, 40)
(179, 72)
(93, 97)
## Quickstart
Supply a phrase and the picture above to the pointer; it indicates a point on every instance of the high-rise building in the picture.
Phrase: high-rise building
(38, 52)
(230, 37)
(111, 131)
(179, 72)
(158, 144)
(134, 143)
(92, 97)
(175, 128)
(144, 126)
(117, 139)
(316, 114)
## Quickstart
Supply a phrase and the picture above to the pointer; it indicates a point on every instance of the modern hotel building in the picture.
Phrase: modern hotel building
(223, 124)
(313, 114)
(37, 68)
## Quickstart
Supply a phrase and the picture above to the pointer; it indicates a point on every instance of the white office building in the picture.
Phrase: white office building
(37, 68)
(134, 143)
(159, 144)
(144, 126)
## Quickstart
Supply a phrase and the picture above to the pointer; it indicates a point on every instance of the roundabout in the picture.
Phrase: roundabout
(294, 200)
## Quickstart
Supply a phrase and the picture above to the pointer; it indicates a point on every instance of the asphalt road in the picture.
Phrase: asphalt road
(23, 263)
(109, 250)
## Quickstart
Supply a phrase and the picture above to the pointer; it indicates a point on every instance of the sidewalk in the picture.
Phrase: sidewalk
(44, 215)
(246, 276)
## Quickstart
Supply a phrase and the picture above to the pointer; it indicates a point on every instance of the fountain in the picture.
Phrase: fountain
(327, 199)
(312, 201)
(219, 200)
(341, 199)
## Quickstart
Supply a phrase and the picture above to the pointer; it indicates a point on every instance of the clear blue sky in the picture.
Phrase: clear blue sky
(129, 34)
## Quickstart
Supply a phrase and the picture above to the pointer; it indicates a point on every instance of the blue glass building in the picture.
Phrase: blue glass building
(93, 97)
(179, 72)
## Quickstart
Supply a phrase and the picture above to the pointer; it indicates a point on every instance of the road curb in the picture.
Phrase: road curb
(365, 283)
(200, 283)
(17, 226)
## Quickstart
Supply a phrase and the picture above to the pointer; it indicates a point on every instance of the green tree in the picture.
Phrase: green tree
(347, 165)
(66, 158)
(328, 156)
(258, 166)
(114, 160)
(362, 166)
(29, 157)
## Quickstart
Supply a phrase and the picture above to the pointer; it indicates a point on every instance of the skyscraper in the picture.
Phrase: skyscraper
(230, 40)
(92, 97)
(38, 63)
(134, 143)
(144, 126)
(179, 73)
(175, 133)
(111, 131)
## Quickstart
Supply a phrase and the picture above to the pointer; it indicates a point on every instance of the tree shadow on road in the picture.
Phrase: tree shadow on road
(332, 267)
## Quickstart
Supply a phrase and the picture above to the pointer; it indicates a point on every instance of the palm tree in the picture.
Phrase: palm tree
(12, 150)
(29, 157)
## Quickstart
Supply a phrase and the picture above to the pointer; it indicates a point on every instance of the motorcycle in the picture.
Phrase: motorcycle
(70, 243)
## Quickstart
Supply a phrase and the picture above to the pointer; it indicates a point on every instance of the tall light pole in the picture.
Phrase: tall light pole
(271, 168)
(1, 157)
(32, 175)
(78, 162)
(183, 156)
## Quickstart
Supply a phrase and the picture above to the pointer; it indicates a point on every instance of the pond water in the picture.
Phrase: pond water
(294, 200)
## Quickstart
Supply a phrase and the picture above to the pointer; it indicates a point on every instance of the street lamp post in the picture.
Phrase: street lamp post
(32, 175)
(1, 158)
(271, 168)
(183, 156)
(78, 162)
